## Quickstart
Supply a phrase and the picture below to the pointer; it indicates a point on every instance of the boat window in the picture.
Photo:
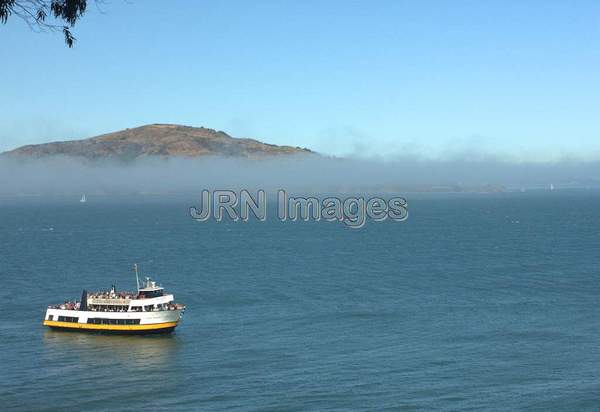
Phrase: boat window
(50, 317)
(147, 294)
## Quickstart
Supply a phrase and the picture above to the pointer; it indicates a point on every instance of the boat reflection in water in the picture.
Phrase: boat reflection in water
(94, 350)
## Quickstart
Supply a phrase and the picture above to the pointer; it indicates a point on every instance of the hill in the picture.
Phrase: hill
(163, 140)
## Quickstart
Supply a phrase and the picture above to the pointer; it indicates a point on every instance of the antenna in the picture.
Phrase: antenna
(137, 280)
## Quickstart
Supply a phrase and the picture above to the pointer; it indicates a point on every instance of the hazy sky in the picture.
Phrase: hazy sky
(520, 79)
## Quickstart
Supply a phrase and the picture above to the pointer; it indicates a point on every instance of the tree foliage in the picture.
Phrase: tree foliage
(63, 14)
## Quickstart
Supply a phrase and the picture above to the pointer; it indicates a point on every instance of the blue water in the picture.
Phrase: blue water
(477, 302)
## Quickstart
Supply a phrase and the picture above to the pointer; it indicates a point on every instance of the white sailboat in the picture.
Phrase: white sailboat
(83, 199)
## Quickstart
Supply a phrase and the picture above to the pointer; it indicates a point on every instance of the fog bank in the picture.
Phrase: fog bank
(311, 173)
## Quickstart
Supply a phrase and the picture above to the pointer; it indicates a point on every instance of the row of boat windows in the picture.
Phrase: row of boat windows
(123, 308)
(98, 321)
(65, 319)
(103, 321)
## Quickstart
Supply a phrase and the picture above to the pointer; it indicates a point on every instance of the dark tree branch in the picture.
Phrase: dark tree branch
(35, 13)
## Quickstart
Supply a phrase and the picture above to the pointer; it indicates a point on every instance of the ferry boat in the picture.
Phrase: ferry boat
(150, 310)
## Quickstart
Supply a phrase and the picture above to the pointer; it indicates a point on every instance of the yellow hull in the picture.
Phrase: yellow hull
(115, 328)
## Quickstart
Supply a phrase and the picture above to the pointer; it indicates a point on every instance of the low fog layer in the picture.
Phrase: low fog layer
(312, 174)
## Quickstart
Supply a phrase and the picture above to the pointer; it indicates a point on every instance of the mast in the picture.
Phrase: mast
(137, 280)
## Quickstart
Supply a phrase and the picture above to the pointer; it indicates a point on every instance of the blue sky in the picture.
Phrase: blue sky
(447, 78)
